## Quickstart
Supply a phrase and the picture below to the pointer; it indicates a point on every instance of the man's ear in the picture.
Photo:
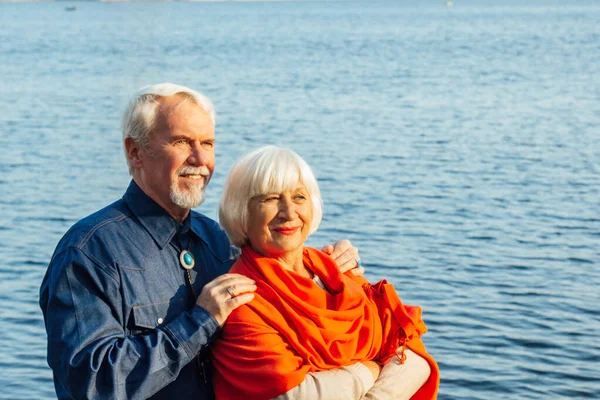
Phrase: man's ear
(132, 149)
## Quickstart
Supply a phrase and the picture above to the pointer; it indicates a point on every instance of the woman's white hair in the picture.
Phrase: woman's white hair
(270, 169)
(139, 118)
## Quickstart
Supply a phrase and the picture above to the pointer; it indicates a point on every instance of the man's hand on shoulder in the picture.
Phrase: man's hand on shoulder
(224, 294)
(346, 256)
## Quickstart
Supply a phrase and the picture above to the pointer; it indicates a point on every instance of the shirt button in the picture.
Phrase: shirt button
(160, 321)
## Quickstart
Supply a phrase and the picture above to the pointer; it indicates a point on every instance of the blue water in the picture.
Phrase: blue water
(457, 148)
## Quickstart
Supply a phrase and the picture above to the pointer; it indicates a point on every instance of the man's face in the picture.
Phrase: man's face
(180, 158)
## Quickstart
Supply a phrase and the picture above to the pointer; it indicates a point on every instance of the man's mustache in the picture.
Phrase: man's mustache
(193, 171)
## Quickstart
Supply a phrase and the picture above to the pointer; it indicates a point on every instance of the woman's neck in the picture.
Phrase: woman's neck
(293, 261)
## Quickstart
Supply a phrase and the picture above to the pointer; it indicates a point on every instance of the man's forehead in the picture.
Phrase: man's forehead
(178, 110)
(170, 104)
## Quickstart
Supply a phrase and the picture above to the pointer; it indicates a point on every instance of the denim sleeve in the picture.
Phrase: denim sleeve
(88, 350)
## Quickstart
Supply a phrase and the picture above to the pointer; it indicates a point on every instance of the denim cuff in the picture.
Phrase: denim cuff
(194, 330)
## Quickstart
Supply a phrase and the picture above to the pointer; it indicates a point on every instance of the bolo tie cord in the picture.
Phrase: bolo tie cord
(190, 284)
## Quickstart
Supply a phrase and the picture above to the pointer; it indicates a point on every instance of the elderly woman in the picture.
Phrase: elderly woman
(310, 332)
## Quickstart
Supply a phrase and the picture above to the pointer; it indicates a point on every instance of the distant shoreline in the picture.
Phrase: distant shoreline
(146, 1)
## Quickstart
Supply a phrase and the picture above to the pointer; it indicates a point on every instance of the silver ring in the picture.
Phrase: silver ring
(358, 262)
(231, 292)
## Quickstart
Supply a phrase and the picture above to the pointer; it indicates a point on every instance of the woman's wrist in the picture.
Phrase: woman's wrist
(374, 368)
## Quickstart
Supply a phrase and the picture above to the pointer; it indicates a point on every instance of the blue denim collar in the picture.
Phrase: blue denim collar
(159, 224)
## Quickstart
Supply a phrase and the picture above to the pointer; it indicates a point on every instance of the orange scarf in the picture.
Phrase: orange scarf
(292, 327)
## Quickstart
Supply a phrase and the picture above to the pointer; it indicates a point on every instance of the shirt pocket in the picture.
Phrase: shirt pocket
(147, 317)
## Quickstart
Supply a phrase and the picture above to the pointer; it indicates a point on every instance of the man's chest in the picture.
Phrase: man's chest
(156, 288)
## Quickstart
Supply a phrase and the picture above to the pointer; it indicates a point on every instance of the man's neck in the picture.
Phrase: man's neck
(178, 216)
(177, 213)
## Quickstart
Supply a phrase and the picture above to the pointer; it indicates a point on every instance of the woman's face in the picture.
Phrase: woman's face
(279, 223)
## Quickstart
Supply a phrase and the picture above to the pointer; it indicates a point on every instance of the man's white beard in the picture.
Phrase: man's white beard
(194, 195)
(190, 198)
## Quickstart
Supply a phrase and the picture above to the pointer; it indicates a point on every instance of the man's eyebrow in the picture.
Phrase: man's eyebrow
(179, 137)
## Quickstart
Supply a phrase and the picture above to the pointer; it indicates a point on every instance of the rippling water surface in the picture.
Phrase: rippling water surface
(458, 148)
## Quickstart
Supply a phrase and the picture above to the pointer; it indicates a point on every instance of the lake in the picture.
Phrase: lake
(457, 148)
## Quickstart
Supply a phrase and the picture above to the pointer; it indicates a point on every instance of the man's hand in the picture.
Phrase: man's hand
(226, 293)
(346, 257)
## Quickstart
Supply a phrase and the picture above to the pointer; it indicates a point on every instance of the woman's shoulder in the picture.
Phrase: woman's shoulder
(317, 252)
(243, 314)
(240, 267)
(328, 268)
(244, 321)
(319, 259)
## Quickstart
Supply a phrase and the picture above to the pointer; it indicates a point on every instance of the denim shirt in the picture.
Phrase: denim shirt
(119, 311)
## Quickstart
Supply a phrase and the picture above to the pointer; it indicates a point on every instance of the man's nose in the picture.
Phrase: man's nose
(198, 156)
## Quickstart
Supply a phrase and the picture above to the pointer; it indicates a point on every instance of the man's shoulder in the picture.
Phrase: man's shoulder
(201, 221)
(101, 222)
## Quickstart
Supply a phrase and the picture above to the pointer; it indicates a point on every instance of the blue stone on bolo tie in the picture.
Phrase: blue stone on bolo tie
(186, 259)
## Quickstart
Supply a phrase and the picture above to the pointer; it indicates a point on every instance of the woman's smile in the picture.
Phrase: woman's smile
(279, 223)
(286, 230)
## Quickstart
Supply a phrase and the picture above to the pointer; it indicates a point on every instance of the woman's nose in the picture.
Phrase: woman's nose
(287, 209)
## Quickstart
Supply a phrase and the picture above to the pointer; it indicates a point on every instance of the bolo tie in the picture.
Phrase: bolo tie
(187, 262)
(186, 259)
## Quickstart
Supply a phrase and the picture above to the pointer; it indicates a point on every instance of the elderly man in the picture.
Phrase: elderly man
(136, 292)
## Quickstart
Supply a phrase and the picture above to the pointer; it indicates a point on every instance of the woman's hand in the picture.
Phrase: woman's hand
(374, 368)
(400, 381)
(346, 256)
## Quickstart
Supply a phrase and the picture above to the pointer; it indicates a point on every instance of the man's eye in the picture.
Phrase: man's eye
(181, 141)
(208, 145)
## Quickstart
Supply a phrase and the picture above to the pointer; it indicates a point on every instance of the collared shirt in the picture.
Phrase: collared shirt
(119, 311)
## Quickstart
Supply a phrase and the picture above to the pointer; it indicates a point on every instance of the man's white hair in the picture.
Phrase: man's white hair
(139, 118)
(270, 169)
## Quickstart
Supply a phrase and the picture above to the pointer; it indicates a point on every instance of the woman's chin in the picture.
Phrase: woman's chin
(281, 250)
